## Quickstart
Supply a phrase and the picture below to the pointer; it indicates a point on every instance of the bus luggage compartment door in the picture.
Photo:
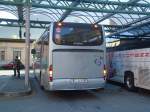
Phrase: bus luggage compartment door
(78, 64)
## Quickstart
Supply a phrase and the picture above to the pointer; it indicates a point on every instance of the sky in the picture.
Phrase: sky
(4, 14)
(13, 32)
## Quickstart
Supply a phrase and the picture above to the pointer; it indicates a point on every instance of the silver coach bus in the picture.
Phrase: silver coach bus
(71, 56)
(128, 62)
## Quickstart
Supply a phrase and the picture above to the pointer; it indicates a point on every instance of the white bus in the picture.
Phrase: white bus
(129, 62)
(71, 56)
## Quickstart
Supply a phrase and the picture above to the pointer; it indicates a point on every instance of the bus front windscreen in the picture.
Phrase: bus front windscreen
(78, 35)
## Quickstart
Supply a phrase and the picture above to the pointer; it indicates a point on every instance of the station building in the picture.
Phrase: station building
(10, 48)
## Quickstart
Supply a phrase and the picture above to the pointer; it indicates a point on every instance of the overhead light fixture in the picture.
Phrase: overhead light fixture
(59, 24)
(95, 26)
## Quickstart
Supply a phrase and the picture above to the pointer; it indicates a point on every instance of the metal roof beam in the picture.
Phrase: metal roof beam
(118, 3)
(67, 12)
(13, 3)
(37, 1)
(110, 2)
(132, 36)
(120, 8)
(106, 10)
(123, 35)
(145, 34)
(44, 24)
(19, 10)
(17, 23)
(134, 22)
(138, 20)
(129, 28)
(143, 7)
(20, 13)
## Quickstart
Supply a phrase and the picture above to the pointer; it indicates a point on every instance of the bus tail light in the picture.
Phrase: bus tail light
(104, 71)
(50, 73)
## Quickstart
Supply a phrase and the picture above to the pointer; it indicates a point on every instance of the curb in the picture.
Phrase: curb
(17, 94)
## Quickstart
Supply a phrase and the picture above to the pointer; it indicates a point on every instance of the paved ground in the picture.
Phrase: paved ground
(10, 85)
(13, 84)
(112, 99)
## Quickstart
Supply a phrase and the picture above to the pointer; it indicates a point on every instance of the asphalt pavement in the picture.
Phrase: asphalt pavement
(112, 99)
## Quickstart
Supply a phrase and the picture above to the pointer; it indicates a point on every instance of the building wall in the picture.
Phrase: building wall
(10, 47)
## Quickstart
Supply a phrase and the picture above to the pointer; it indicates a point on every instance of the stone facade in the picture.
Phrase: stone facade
(10, 48)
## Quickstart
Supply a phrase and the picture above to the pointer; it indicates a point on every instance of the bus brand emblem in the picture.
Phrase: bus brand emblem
(98, 61)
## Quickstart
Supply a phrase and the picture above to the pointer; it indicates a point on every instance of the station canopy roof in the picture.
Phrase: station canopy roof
(121, 18)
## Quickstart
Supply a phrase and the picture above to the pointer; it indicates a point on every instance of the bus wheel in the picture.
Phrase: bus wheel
(129, 82)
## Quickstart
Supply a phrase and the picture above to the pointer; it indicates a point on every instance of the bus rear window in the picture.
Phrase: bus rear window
(78, 35)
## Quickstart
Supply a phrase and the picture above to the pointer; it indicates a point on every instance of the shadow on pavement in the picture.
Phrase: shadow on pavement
(72, 95)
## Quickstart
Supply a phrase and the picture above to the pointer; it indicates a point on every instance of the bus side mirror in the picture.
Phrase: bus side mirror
(33, 51)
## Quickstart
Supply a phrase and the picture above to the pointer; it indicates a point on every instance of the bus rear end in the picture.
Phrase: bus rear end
(78, 58)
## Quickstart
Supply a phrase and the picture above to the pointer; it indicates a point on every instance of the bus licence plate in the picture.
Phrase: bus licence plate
(80, 80)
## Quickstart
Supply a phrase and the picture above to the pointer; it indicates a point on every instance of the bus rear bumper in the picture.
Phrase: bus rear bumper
(76, 84)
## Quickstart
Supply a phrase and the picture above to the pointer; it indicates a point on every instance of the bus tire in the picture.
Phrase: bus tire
(129, 82)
